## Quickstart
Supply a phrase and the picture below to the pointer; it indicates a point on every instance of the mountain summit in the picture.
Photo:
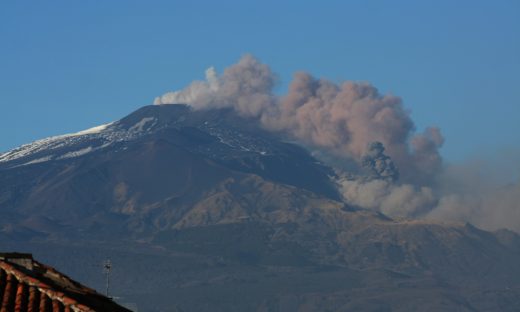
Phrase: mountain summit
(205, 210)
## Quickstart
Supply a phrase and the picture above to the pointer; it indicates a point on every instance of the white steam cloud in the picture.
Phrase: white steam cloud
(349, 121)
(246, 87)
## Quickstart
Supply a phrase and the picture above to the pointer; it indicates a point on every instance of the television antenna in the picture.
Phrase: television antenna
(107, 266)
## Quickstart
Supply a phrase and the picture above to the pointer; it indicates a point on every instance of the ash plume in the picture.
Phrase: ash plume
(246, 86)
(338, 121)
(344, 118)
(338, 118)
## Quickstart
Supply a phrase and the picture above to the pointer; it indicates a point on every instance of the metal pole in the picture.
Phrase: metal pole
(107, 266)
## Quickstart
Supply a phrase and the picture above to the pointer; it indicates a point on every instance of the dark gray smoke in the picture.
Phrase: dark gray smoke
(339, 121)
(378, 164)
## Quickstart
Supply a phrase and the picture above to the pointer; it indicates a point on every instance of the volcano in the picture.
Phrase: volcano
(204, 210)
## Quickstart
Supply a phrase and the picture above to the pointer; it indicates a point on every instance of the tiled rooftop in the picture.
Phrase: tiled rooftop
(27, 285)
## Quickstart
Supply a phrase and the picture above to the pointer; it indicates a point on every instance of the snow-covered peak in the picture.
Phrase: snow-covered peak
(77, 144)
(92, 130)
(229, 135)
(50, 144)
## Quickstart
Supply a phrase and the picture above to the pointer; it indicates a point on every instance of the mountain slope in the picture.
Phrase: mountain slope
(173, 158)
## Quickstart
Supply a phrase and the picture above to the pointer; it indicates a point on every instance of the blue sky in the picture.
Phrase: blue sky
(70, 65)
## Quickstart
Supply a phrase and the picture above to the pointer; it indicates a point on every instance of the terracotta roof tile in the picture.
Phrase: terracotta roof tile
(27, 285)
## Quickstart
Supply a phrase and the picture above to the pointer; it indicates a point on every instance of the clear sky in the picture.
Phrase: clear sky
(67, 65)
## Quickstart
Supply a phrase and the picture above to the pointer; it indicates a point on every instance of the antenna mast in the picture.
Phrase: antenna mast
(107, 265)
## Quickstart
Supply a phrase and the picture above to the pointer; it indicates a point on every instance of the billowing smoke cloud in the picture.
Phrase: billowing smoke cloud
(392, 199)
(341, 119)
(246, 86)
(345, 118)
(472, 193)
(354, 123)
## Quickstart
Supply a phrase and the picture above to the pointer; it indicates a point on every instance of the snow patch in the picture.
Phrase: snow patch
(37, 161)
(138, 127)
(77, 153)
(51, 143)
(92, 130)
(31, 148)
